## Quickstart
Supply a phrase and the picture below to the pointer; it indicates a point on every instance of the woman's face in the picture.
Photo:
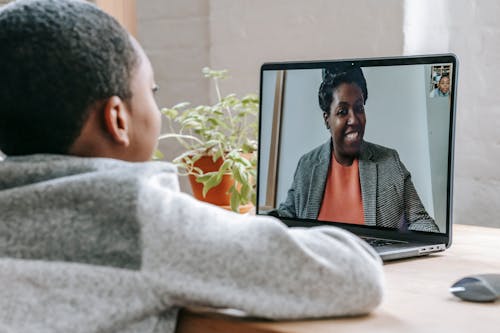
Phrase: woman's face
(346, 122)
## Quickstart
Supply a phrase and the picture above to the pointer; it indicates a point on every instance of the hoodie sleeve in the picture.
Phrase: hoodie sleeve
(212, 257)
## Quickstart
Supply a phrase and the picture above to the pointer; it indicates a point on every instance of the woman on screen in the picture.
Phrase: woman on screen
(348, 179)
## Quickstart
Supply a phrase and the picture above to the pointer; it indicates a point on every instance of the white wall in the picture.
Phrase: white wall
(175, 36)
(246, 33)
(397, 118)
(183, 36)
(471, 29)
(302, 126)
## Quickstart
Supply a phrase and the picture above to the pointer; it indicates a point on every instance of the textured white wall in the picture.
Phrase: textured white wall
(175, 36)
(176, 39)
(469, 28)
(181, 37)
(246, 33)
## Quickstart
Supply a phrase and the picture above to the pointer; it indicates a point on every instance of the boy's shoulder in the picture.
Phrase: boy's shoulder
(30, 169)
(78, 209)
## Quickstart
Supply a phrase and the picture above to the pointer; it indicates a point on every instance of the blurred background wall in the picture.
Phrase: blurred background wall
(182, 36)
(471, 30)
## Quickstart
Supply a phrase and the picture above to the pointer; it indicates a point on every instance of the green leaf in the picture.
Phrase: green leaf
(217, 154)
(197, 170)
(248, 148)
(212, 143)
(226, 166)
(235, 200)
(191, 123)
(184, 158)
(215, 74)
(233, 154)
(242, 161)
(239, 174)
(245, 192)
(204, 178)
(250, 99)
(213, 181)
(157, 155)
(254, 197)
(243, 174)
(195, 158)
(209, 181)
(169, 113)
(213, 121)
(181, 105)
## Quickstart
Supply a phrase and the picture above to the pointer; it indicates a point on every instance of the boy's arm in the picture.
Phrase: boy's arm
(212, 257)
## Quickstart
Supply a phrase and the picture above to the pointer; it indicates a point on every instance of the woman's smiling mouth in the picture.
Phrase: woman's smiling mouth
(353, 136)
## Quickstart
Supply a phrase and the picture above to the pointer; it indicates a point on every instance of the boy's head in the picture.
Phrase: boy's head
(73, 82)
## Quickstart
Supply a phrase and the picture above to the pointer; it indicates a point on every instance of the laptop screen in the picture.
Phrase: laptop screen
(366, 142)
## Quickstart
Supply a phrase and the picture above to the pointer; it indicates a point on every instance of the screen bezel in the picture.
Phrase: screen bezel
(375, 231)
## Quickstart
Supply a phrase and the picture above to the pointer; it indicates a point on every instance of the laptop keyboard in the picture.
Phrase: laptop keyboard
(376, 242)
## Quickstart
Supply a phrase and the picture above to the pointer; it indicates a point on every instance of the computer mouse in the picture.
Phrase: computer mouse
(477, 288)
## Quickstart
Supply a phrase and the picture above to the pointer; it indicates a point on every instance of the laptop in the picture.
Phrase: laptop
(361, 144)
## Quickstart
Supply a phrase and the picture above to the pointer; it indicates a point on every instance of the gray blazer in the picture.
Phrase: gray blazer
(388, 194)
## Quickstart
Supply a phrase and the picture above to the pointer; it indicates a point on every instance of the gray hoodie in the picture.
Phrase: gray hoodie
(101, 245)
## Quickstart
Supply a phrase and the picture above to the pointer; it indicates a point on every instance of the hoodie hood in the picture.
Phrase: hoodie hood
(27, 170)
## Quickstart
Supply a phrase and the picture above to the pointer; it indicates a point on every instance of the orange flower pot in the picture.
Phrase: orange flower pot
(217, 195)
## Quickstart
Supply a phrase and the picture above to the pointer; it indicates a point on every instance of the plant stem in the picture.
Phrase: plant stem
(219, 96)
(217, 90)
(182, 142)
(222, 150)
(173, 135)
(243, 131)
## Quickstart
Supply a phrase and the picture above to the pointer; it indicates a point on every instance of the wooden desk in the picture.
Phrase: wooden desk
(416, 298)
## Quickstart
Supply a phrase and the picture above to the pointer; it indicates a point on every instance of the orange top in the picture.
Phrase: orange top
(342, 201)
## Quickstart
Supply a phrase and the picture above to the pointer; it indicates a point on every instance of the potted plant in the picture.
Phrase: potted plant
(221, 143)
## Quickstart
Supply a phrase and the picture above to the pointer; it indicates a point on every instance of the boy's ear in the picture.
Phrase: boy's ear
(117, 121)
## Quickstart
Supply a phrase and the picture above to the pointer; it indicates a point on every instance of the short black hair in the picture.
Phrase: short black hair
(334, 76)
(444, 76)
(57, 59)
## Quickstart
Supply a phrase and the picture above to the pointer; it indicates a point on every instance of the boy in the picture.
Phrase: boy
(96, 239)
